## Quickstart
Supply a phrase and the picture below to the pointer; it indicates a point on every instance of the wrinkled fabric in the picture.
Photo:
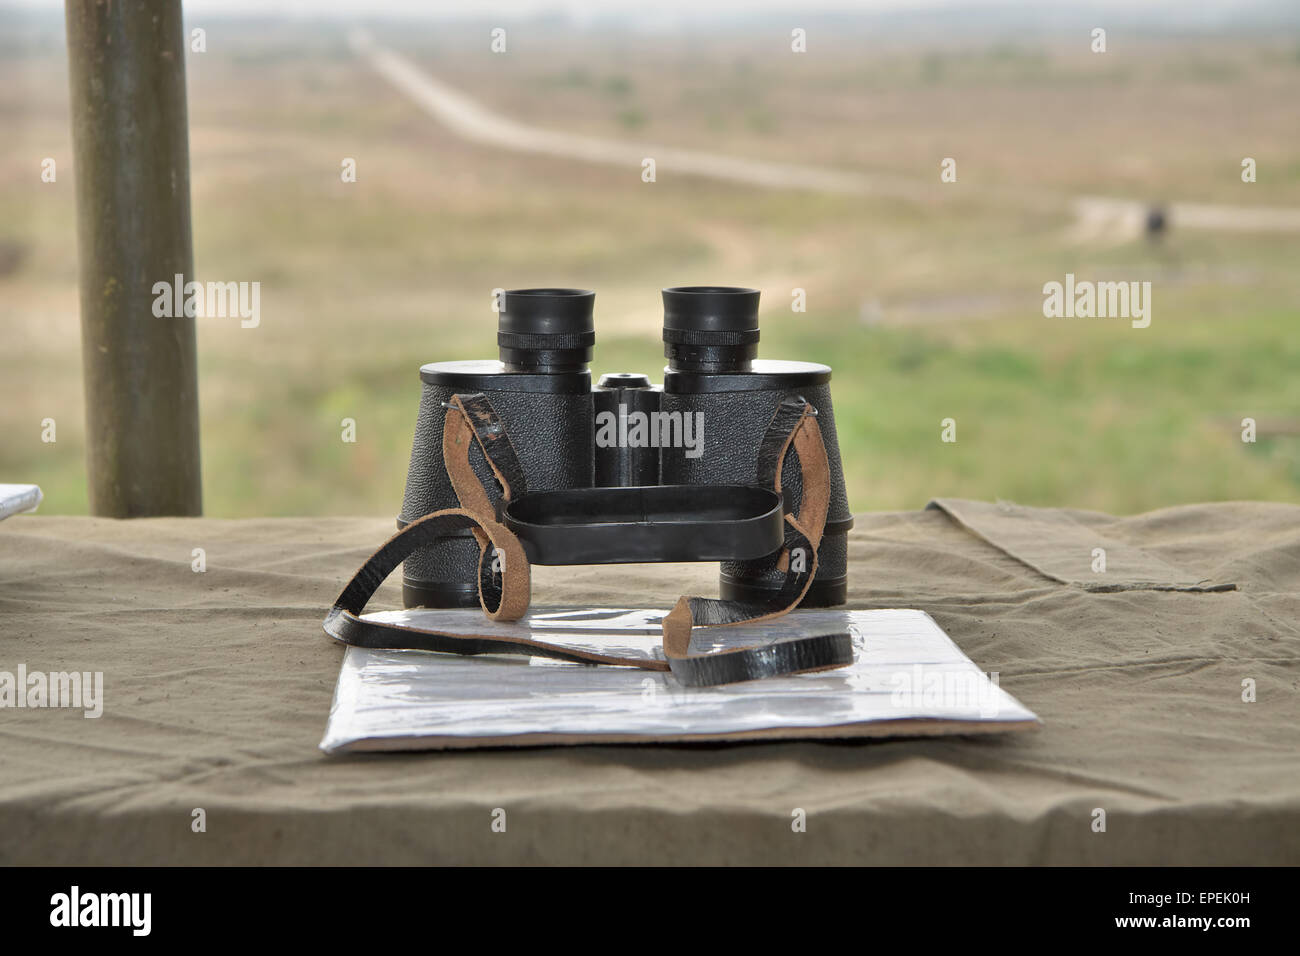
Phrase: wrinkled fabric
(1081, 553)
(217, 685)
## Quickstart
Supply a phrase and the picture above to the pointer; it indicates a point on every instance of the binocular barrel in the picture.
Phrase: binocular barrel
(711, 343)
(541, 390)
(704, 426)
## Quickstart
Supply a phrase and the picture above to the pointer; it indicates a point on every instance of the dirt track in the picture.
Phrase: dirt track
(1096, 219)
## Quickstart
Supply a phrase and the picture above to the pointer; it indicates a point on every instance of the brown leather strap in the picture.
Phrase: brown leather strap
(504, 573)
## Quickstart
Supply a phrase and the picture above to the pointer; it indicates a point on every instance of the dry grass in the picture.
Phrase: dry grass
(927, 309)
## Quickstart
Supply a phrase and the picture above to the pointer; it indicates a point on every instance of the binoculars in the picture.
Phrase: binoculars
(682, 446)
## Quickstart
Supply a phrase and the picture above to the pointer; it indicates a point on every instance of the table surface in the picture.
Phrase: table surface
(217, 685)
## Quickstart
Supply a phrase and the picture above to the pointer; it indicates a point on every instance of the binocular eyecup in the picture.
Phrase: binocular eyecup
(710, 328)
(546, 330)
(706, 329)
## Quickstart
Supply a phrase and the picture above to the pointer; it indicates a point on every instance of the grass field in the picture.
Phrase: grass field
(926, 297)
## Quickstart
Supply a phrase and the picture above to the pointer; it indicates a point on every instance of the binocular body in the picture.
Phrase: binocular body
(548, 417)
(703, 426)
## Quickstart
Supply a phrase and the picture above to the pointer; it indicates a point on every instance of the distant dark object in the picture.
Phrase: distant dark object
(1157, 222)
(12, 254)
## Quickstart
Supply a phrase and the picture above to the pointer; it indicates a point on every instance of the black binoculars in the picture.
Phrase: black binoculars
(702, 427)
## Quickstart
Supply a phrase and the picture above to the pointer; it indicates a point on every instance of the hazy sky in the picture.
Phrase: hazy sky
(1212, 15)
(588, 8)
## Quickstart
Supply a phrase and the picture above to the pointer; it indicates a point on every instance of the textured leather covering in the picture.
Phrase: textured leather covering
(553, 438)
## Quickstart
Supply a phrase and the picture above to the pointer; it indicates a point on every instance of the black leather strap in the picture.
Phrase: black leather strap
(344, 623)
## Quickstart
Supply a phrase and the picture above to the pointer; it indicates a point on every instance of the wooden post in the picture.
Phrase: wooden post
(126, 65)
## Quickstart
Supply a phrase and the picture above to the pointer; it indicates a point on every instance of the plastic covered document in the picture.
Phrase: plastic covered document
(18, 499)
(908, 678)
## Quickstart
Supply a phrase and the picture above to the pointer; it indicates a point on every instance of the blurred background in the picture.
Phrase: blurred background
(926, 297)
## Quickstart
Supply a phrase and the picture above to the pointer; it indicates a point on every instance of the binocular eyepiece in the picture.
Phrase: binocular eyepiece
(546, 329)
(706, 328)
(710, 328)
(703, 426)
